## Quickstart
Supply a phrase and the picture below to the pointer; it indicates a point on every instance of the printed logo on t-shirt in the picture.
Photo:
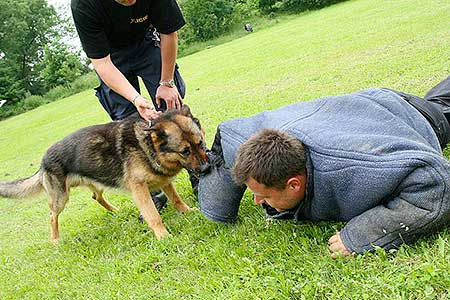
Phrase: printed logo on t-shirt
(138, 20)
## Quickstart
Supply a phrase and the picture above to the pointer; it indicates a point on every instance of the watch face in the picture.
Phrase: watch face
(169, 83)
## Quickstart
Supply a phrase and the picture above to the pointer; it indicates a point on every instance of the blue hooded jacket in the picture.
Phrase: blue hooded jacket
(372, 160)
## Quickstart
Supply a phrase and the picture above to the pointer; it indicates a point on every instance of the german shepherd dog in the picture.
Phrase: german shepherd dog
(128, 154)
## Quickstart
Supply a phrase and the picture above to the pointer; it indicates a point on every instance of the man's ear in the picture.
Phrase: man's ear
(296, 182)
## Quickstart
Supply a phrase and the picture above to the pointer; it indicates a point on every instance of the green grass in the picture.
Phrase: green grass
(400, 44)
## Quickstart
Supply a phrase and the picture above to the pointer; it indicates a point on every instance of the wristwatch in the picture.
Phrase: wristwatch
(169, 83)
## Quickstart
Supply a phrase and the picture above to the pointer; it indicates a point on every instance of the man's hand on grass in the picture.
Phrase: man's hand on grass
(337, 247)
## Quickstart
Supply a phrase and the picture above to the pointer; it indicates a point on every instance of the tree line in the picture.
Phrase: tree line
(34, 56)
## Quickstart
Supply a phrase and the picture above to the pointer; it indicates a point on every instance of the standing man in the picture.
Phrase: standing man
(125, 39)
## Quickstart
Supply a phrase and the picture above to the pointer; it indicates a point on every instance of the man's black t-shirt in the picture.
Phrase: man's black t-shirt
(106, 24)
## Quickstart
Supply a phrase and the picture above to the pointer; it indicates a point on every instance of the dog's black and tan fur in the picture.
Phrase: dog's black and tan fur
(128, 154)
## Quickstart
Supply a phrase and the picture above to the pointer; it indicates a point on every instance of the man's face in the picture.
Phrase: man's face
(126, 2)
(287, 198)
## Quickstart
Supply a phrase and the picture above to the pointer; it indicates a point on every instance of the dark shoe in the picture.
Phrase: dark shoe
(160, 201)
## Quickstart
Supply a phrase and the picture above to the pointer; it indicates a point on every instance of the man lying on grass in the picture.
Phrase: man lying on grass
(372, 158)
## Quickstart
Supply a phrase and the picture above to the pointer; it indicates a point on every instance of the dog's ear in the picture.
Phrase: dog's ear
(160, 136)
(197, 122)
(157, 133)
(185, 110)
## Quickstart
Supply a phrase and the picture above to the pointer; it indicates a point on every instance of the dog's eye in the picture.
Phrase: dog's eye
(186, 152)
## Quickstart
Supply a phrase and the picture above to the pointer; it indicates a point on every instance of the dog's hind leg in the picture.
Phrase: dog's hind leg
(97, 194)
(147, 208)
(57, 191)
(175, 199)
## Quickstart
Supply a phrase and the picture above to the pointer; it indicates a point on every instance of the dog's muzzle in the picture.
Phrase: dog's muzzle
(204, 168)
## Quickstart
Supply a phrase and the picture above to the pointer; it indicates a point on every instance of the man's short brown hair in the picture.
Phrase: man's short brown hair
(270, 157)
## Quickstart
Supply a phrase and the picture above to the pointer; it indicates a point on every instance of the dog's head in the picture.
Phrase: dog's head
(179, 141)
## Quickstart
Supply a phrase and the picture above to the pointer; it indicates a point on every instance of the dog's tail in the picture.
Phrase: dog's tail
(22, 188)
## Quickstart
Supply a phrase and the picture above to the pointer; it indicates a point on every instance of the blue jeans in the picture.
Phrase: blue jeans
(142, 59)
(219, 197)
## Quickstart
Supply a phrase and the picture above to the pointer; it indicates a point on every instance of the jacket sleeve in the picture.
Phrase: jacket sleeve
(420, 206)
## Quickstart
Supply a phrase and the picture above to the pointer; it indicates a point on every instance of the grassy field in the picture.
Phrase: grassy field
(401, 44)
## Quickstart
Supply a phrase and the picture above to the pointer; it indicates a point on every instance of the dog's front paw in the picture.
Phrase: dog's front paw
(182, 207)
(193, 209)
(161, 233)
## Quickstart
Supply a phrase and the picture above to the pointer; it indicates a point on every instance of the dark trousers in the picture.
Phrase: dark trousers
(440, 94)
(142, 59)
(435, 108)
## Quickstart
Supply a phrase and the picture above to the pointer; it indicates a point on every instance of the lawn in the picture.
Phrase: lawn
(401, 44)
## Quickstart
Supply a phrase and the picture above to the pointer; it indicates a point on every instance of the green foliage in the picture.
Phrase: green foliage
(266, 5)
(32, 57)
(245, 9)
(206, 19)
(10, 86)
(60, 65)
(26, 27)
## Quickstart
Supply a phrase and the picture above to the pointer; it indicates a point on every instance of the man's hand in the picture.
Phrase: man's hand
(170, 95)
(145, 109)
(337, 247)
